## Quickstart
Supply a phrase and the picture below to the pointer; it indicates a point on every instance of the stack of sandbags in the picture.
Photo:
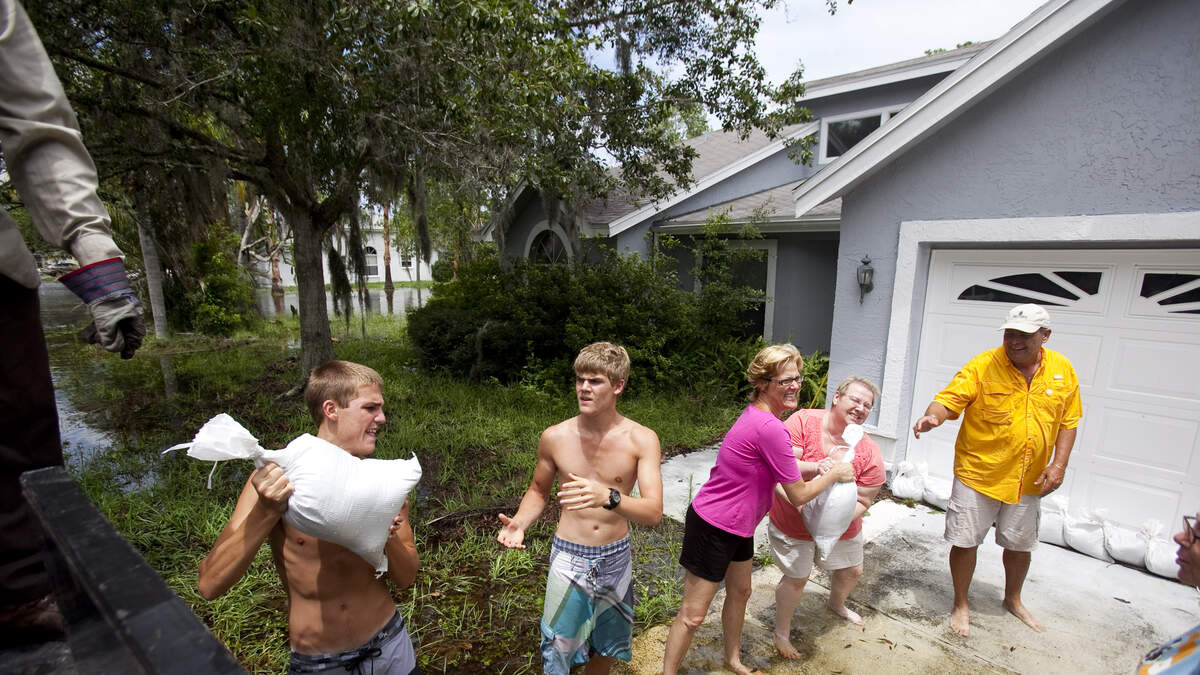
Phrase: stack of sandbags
(336, 496)
(1052, 529)
(907, 483)
(1161, 553)
(1130, 546)
(1086, 534)
(937, 490)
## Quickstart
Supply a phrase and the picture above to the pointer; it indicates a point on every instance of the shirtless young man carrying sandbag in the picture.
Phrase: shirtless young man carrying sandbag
(341, 616)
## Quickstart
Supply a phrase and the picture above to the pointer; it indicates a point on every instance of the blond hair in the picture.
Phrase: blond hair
(855, 379)
(337, 381)
(767, 364)
(604, 357)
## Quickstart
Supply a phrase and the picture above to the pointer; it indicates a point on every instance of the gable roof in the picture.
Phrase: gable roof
(1038, 34)
(930, 64)
(772, 205)
(721, 155)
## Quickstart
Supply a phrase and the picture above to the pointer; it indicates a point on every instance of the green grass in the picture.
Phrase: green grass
(475, 606)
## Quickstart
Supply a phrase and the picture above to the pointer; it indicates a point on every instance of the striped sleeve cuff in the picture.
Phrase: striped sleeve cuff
(98, 281)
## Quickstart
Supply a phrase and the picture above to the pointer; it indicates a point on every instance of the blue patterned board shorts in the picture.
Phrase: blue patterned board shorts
(589, 604)
(390, 652)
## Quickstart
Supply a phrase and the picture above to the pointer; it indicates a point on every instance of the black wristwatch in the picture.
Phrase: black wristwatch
(614, 499)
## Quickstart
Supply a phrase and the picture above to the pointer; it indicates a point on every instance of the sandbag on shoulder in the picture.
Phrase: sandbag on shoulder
(337, 497)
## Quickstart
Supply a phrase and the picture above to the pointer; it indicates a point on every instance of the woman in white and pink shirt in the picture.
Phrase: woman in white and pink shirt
(718, 540)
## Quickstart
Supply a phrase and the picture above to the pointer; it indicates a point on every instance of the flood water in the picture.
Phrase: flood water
(63, 314)
(403, 299)
(61, 310)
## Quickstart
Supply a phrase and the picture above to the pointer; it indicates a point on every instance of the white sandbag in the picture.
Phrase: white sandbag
(1052, 528)
(1161, 553)
(337, 497)
(937, 490)
(1086, 534)
(829, 514)
(1128, 545)
(907, 483)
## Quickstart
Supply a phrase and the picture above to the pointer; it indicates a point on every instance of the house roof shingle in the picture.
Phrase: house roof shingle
(774, 204)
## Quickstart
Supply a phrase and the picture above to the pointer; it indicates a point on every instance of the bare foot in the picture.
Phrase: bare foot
(784, 645)
(738, 667)
(1018, 610)
(847, 614)
(960, 621)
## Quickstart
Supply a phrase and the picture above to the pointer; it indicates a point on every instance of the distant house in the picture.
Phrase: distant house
(406, 266)
(1060, 165)
(742, 177)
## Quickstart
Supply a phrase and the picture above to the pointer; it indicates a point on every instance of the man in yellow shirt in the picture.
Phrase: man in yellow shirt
(1022, 410)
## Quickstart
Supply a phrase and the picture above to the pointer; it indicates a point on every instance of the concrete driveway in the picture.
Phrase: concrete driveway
(1100, 617)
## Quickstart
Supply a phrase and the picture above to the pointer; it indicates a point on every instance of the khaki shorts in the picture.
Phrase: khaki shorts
(795, 556)
(970, 514)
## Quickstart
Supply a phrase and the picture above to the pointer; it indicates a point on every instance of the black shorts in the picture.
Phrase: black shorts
(708, 550)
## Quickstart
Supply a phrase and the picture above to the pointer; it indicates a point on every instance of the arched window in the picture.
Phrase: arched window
(372, 258)
(548, 247)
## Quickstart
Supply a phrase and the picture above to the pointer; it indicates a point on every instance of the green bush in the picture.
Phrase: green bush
(442, 270)
(528, 323)
(218, 299)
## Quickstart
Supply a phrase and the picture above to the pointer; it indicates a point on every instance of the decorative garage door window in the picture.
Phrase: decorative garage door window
(1056, 289)
(1174, 293)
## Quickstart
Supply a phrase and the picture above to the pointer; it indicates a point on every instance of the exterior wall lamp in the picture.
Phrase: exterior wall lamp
(866, 278)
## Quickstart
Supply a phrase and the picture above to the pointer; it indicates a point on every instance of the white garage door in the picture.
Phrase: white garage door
(1129, 320)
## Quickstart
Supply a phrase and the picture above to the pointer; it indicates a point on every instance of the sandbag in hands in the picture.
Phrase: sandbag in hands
(828, 515)
(337, 497)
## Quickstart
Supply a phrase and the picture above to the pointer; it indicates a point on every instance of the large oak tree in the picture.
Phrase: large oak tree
(306, 99)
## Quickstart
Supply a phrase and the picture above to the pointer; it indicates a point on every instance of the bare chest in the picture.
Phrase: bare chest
(311, 563)
(609, 461)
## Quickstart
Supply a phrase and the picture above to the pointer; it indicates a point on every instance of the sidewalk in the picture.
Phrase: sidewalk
(1100, 617)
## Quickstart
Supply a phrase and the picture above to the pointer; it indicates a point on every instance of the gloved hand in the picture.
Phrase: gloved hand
(117, 322)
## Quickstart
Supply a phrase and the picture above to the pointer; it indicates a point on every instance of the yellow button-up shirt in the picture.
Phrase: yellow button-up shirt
(1009, 428)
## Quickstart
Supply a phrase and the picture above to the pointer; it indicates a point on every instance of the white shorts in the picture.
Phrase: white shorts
(970, 514)
(795, 556)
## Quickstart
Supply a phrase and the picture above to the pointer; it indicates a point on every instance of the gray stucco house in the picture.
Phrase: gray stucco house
(756, 174)
(1060, 165)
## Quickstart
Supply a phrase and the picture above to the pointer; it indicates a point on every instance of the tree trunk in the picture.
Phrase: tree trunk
(239, 190)
(315, 345)
(154, 276)
(276, 277)
(248, 210)
(389, 288)
(276, 283)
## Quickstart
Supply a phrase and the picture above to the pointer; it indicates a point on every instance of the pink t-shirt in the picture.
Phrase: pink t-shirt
(805, 429)
(755, 455)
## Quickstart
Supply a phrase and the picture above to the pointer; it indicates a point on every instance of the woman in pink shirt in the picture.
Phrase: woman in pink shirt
(718, 539)
(816, 436)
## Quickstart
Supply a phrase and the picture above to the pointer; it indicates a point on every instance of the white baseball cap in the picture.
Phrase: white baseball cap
(1027, 318)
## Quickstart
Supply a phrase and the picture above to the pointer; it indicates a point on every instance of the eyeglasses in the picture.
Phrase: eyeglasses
(1189, 526)
(788, 381)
